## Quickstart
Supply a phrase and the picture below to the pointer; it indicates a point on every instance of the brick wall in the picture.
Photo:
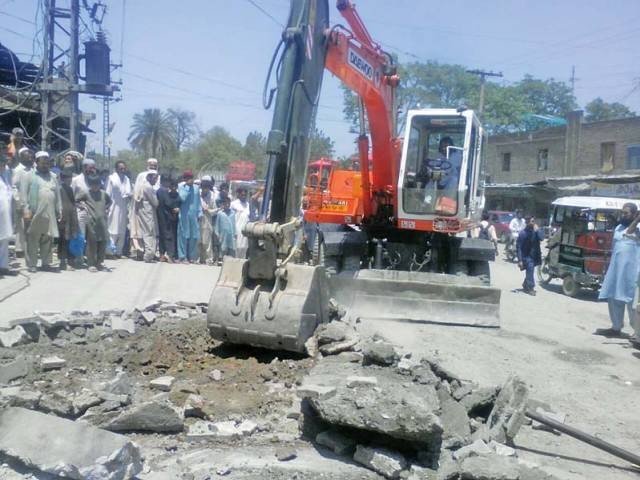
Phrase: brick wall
(524, 151)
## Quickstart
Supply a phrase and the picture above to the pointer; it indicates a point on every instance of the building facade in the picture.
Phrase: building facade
(577, 149)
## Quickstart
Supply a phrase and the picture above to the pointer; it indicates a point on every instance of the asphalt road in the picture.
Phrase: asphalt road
(546, 340)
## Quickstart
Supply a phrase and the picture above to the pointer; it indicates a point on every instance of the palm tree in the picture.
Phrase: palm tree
(152, 133)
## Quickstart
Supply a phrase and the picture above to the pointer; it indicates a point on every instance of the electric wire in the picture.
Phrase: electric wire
(274, 19)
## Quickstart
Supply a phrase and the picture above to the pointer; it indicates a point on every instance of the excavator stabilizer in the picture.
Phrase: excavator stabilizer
(279, 319)
(417, 297)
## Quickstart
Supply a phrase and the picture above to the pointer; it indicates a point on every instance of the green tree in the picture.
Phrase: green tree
(546, 97)
(254, 150)
(320, 145)
(215, 149)
(597, 110)
(152, 133)
(185, 128)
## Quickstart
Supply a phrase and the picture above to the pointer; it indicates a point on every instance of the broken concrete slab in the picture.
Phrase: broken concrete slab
(356, 381)
(121, 384)
(56, 403)
(455, 422)
(396, 408)
(385, 462)
(84, 400)
(18, 397)
(159, 417)
(379, 353)
(163, 384)
(489, 467)
(334, 332)
(148, 317)
(285, 454)
(14, 337)
(502, 449)
(229, 429)
(42, 442)
(338, 347)
(52, 319)
(123, 323)
(52, 363)
(13, 370)
(508, 413)
(476, 449)
(339, 443)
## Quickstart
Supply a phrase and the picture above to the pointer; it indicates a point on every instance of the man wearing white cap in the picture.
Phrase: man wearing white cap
(152, 166)
(119, 189)
(79, 185)
(21, 173)
(42, 211)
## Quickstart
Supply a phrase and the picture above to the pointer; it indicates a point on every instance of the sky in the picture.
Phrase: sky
(211, 56)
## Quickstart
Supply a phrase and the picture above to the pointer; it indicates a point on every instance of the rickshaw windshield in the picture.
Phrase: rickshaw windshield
(585, 219)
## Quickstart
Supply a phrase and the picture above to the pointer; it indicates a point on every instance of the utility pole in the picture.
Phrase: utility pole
(59, 86)
(573, 80)
(483, 76)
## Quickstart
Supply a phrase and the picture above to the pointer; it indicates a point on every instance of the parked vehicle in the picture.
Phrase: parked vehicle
(580, 242)
(500, 220)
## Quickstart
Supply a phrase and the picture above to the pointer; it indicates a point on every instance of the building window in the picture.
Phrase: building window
(607, 156)
(506, 162)
(543, 159)
(633, 157)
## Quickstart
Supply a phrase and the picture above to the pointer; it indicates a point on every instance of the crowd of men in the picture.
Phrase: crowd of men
(88, 216)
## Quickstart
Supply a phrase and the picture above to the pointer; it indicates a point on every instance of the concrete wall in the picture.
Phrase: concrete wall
(573, 150)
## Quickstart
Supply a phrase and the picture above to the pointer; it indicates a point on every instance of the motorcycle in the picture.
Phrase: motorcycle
(510, 250)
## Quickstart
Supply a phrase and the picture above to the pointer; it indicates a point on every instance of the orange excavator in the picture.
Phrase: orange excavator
(392, 237)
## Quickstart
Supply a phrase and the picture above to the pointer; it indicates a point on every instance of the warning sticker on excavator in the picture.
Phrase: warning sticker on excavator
(360, 64)
(334, 205)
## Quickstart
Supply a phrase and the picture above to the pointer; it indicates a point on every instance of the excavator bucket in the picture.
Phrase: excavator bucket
(279, 319)
(417, 297)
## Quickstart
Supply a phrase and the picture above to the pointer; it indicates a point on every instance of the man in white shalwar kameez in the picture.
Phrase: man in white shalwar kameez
(240, 208)
(119, 189)
(6, 227)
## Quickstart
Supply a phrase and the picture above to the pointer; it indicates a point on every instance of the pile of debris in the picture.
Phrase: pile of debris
(405, 418)
(152, 384)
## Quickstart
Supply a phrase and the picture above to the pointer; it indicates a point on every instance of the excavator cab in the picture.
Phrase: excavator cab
(441, 164)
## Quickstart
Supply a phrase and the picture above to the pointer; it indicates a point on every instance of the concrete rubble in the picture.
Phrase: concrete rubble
(35, 439)
(167, 383)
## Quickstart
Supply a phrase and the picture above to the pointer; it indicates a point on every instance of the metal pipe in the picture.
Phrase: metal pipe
(585, 437)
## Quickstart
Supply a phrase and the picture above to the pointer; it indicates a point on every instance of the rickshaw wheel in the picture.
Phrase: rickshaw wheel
(543, 273)
(570, 287)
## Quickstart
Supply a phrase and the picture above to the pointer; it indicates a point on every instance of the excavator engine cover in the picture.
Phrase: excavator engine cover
(257, 316)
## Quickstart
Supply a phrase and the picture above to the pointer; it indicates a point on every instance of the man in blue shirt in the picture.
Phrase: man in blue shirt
(188, 219)
(528, 248)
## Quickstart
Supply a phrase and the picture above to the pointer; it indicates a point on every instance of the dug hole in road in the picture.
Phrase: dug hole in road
(123, 381)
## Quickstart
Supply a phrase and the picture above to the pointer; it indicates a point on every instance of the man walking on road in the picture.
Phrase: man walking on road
(529, 256)
(619, 284)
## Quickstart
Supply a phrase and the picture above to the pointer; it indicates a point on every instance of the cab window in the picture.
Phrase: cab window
(433, 164)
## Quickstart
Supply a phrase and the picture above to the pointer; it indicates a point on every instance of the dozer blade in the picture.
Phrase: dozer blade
(255, 316)
(417, 297)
